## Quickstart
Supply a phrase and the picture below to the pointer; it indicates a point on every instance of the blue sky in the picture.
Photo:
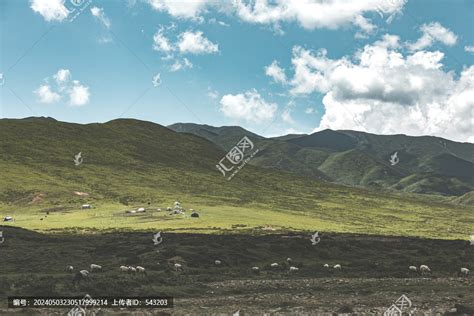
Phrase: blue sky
(276, 67)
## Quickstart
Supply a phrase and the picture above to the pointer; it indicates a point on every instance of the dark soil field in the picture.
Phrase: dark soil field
(374, 272)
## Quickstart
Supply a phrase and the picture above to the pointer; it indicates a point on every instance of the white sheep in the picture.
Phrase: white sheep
(141, 269)
(123, 268)
(288, 260)
(95, 267)
(326, 265)
(141, 209)
(337, 267)
(255, 269)
(465, 271)
(424, 269)
(81, 275)
(293, 269)
(70, 268)
(178, 266)
(274, 265)
(132, 269)
(217, 262)
(412, 268)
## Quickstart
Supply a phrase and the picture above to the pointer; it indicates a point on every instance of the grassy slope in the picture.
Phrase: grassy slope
(141, 162)
(357, 158)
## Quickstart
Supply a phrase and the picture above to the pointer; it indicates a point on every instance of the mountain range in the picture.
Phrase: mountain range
(425, 164)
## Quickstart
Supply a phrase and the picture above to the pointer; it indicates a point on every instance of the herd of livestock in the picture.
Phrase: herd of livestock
(315, 239)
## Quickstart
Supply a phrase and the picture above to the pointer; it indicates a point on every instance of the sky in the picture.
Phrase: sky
(273, 67)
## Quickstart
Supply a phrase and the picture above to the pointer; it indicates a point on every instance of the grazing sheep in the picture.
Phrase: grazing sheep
(86, 206)
(79, 276)
(123, 268)
(141, 270)
(132, 269)
(158, 209)
(255, 269)
(424, 269)
(95, 267)
(464, 271)
(70, 268)
(412, 268)
(141, 209)
(178, 266)
(337, 267)
(274, 265)
(293, 269)
(288, 260)
(8, 219)
(217, 262)
(326, 265)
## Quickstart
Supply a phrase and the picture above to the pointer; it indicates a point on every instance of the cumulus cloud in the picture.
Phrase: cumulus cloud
(311, 14)
(249, 106)
(63, 87)
(431, 33)
(50, 10)
(286, 116)
(469, 49)
(99, 14)
(196, 43)
(276, 72)
(46, 95)
(161, 42)
(382, 89)
(189, 9)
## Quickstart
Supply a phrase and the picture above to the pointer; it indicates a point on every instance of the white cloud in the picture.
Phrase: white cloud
(196, 43)
(161, 42)
(100, 15)
(276, 72)
(469, 49)
(46, 95)
(78, 94)
(311, 14)
(190, 9)
(62, 76)
(382, 89)
(249, 106)
(431, 33)
(178, 65)
(51, 10)
(63, 87)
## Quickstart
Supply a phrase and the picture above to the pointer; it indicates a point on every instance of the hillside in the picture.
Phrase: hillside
(429, 165)
(130, 163)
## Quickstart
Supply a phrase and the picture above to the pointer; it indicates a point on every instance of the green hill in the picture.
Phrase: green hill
(429, 165)
(129, 164)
